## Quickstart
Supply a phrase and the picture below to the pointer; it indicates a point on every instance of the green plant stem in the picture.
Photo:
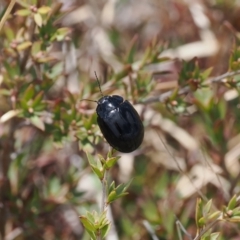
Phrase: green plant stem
(104, 186)
(5, 16)
(198, 237)
(103, 205)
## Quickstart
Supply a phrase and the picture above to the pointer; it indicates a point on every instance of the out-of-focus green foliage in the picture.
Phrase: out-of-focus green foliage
(52, 151)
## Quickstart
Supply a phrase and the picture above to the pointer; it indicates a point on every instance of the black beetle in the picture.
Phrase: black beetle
(119, 122)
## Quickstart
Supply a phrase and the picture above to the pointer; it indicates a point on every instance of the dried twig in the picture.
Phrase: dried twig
(184, 90)
(8, 11)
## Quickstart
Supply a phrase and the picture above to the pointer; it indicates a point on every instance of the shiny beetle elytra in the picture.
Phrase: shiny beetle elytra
(119, 122)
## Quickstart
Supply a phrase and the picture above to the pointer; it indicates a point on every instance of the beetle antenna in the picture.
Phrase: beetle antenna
(98, 83)
(88, 100)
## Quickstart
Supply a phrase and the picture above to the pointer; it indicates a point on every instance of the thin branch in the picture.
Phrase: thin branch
(104, 187)
(164, 96)
(182, 171)
(184, 90)
(150, 230)
(225, 75)
(28, 50)
(8, 11)
(103, 200)
(207, 228)
(234, 183)
(179, 225)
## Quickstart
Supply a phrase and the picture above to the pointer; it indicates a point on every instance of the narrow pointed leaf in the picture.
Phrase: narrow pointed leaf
(38, 19)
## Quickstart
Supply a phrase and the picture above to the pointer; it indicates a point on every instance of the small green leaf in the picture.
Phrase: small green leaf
(207, 207)
(98, 172)
(236, 211)
(4, 92)
(111, 152)
(87, 224)
(63, 31)
(112, 186)
(105, 230)
(103, 223)
(232, 203)
(101, 159)
(118, 192)
(60, 34)
(10, 34)
(111, 196)
(215, 236)
(8, 115)
(44, 10)
(13, 176)
(110, 162)
(13, 70)
(36, 47)
(206, 73)
(96, 166)
(103, 220)
(214, 215)
(122, 195)
(99, 165)
(29, 93)
(37, 122)
(198, 211)
(123, 187)
(91, 217)
(37, 100)
(204, 96)
(44, 59)
(90, 158)
(92, 235)
(23, 12)
(38, 19)
(24, 45)
(173, 95)
(201, 222)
